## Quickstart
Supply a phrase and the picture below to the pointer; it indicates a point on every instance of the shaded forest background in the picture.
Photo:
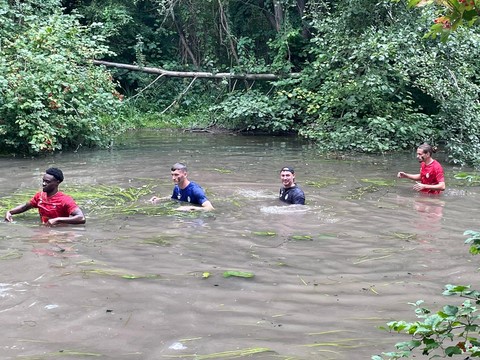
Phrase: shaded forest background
(351, 75)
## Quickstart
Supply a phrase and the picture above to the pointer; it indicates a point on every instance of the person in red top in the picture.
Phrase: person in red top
(53, 206)
(431, 179)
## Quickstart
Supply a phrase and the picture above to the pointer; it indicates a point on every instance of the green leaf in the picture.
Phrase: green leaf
(242, 274)
(453, 350)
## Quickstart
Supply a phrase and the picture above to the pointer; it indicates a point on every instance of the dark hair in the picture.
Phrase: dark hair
(426, 148)
(179, 166)
(56, 173)
(287, 168)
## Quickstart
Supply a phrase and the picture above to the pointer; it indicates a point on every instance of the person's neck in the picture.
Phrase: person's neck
(184, 184)
(428, 161)
(51, 193)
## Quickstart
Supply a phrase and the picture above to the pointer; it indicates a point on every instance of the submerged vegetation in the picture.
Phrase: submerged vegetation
(105, 201)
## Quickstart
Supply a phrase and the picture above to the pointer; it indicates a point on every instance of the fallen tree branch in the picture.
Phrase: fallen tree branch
(146, 87)
(178, 97)
(192, 74)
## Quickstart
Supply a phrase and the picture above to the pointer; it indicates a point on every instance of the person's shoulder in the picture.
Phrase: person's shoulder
(297, 189)
(37, 196)
(63, 196)
(194, 185)
(435, 164)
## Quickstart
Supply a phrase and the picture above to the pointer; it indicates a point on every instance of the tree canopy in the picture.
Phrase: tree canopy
(366, 79)
(51, 96)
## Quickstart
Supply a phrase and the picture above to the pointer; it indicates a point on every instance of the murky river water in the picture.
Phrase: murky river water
(326, 275)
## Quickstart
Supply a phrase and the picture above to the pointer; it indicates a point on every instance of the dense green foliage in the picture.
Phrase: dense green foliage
(51, 96)
(453, 330)
(365, 79)
(380, 87)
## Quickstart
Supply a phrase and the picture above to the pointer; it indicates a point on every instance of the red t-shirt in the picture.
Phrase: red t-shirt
(431, 174)
(58, 205)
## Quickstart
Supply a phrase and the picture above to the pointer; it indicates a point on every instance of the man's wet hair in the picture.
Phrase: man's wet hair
(56, 173)
(179, 166)
(427, 148)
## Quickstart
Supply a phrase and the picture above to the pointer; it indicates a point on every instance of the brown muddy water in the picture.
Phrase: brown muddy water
(150, 285)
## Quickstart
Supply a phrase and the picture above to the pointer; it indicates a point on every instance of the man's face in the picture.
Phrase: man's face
(287, 178)
(421, 156)
(49, 183)
(178, 176)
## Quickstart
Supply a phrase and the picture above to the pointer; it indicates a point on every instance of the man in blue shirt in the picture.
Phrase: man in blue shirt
(290, 192)
(186, 190)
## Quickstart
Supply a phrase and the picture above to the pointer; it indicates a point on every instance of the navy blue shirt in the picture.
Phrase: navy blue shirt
(193, 194)
(292, 195)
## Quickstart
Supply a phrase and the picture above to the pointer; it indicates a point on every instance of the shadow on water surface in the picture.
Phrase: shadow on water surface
(140, 281)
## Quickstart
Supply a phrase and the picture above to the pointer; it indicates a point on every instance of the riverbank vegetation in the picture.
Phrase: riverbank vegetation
(351, 75)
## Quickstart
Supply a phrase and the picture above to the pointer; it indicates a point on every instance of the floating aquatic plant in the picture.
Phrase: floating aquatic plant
(106, 200)
(232, 354)
(375, 185)
(404, 236)
(12, 254)
(61, 353)
(120, 274)
(468, 178)
(323, 183)
(158, 240)
(379, 182)
(301, 237)
(264, 233)
(234, 273)
(327, 236)
(223, 171)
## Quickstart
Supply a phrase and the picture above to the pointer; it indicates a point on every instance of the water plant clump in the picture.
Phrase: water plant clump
(323, 183)
(374, 186)
(105, 200)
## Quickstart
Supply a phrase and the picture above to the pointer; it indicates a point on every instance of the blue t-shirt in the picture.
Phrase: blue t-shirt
(193, 194)
(293, 195)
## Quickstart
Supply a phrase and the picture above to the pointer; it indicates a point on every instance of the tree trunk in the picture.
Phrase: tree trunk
(193, 74)
(183, 40)
(278, 11)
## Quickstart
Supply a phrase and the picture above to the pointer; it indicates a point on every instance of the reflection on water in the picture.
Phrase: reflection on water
(138, 286)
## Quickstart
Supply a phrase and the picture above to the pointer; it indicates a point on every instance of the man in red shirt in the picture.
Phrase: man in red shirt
(431, 179)
(53, 206)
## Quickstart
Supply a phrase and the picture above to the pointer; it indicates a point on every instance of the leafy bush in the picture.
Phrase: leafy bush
(51, 96)
(375, 85)
(251, 110)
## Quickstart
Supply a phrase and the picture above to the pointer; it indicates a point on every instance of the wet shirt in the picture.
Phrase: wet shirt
(292, 195)
(193, 194)
(58, 205)
(431, 174)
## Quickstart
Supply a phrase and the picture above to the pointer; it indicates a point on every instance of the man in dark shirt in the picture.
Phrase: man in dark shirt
(186, 191)
(290, 192)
